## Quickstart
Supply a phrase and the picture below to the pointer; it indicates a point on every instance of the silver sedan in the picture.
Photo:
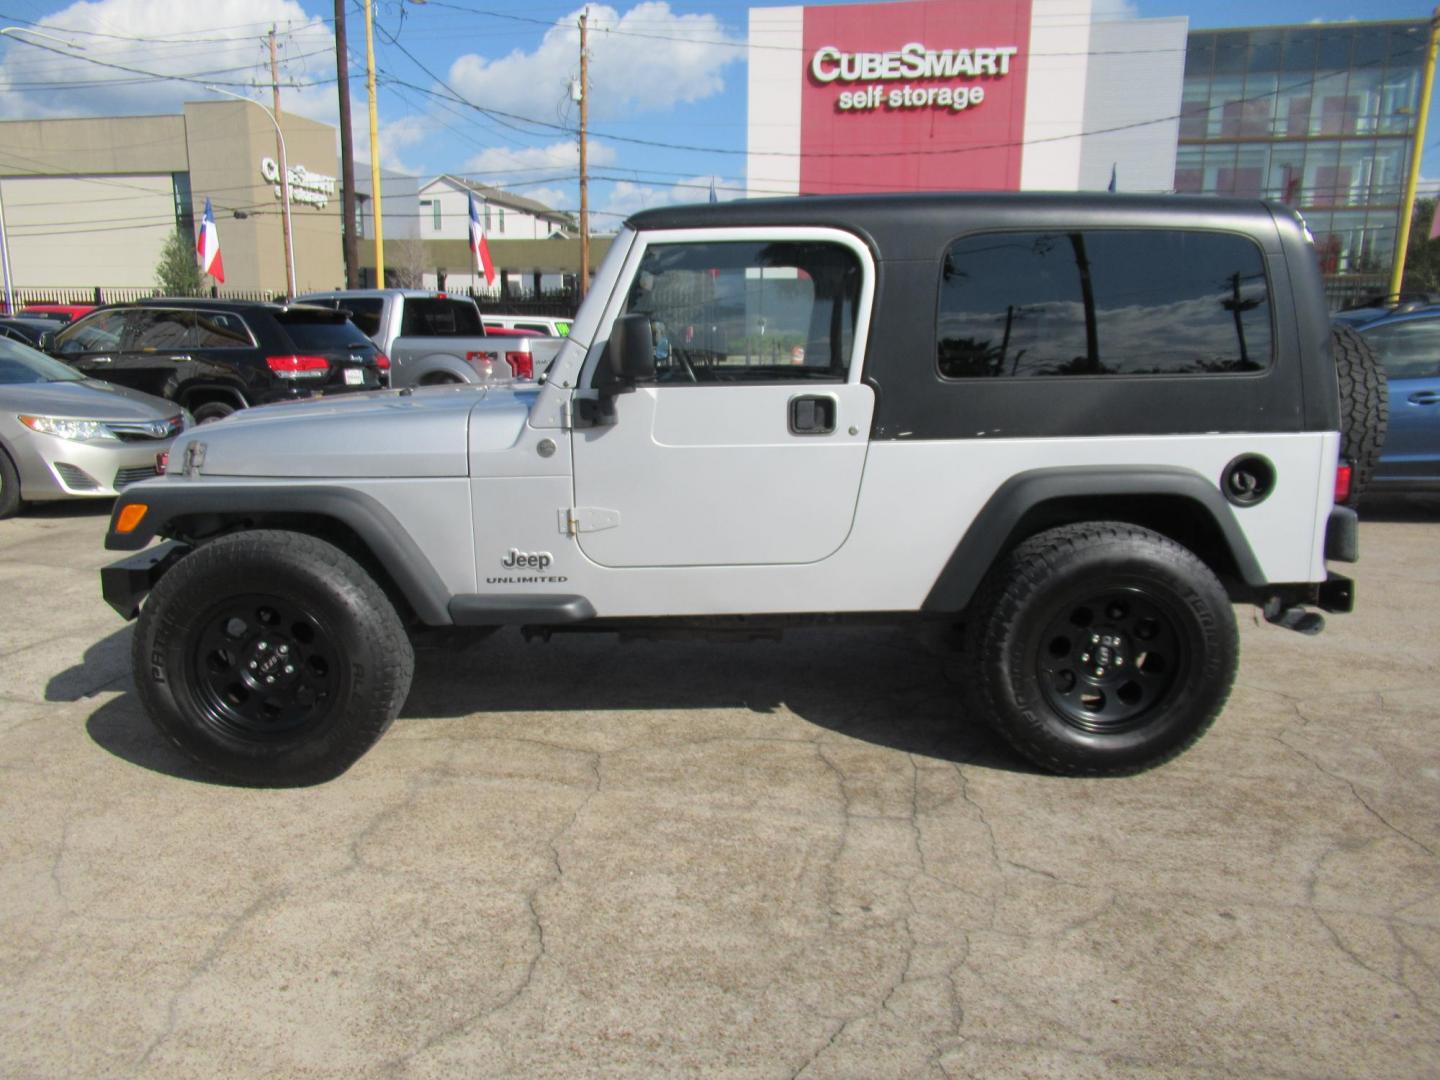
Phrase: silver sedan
(65, 436)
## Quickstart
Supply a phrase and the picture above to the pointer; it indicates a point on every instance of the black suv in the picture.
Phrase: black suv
(216, 356)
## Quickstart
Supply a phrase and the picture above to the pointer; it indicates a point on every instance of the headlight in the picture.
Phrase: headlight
(64, 428)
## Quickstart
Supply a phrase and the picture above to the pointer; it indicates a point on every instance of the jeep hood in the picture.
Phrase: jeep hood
(420, 433)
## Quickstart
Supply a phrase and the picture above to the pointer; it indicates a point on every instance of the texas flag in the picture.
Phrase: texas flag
(207, 246)
(478, 247)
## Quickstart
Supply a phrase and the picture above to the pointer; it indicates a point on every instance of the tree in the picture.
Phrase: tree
(1422, 257)
(406, 263)
(177, 273)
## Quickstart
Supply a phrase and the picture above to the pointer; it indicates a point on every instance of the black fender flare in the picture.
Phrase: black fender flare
(986, 538)
(377, 528)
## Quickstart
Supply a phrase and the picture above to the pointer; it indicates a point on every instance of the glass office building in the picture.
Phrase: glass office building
(1319, 116)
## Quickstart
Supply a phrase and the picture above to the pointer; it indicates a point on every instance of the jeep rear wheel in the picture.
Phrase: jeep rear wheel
(1364, 406)
(1102, 648)
(271, 658)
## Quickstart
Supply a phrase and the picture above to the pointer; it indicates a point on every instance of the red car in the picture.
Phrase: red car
(64, 312)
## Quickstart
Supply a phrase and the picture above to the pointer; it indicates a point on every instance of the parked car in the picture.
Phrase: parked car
(1408, 345)
(58, 312)
(216, 356)
(65, 436)
(386, 314)
(433, 339)
(530, 324)
(1089, 489)
(34, 332)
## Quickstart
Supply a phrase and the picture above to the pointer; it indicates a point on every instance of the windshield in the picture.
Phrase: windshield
(22, 364)
(329, 330)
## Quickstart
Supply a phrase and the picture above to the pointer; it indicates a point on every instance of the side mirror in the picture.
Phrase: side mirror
(47, 339)
(632, 349)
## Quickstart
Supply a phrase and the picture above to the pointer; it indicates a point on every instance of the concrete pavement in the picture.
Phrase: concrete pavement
(592, 858)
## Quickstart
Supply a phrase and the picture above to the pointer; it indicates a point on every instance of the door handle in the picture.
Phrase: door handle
(182, 358)
(1424, 397)
(100, 360)
(813, 414)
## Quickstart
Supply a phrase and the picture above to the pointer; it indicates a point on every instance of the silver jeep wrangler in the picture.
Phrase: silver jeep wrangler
(1080, 427)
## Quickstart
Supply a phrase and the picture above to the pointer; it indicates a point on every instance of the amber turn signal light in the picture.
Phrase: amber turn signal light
(130, 516)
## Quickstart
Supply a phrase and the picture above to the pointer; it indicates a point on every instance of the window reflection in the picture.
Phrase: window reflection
(1164, 302)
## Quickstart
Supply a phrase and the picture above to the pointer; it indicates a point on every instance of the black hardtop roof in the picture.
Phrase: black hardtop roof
(238, 307)
(938, 214)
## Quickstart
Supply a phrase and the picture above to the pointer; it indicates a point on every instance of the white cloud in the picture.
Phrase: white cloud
(647, 60)
(1114, 10)
(627, 198)
(396, 136)
(220, 41)
(526, 162)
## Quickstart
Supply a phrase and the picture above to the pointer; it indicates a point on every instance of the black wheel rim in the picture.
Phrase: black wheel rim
(1110, 660)
(264, 668)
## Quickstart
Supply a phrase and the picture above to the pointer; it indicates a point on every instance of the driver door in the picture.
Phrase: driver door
(749, 447)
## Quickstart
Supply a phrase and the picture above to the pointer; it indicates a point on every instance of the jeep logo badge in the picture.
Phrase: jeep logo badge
(535, 560)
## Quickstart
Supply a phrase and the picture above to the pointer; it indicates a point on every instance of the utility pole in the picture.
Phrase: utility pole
(1412, 178)
(284, 175)
(584, 281)
(347, 151)
(374, 145)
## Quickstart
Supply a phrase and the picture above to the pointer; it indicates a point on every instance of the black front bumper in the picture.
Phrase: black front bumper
(125, 583)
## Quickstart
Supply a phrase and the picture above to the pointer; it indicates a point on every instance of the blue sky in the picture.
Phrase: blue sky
(668, 95)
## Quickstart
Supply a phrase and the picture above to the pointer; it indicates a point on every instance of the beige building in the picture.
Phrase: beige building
(90, 202)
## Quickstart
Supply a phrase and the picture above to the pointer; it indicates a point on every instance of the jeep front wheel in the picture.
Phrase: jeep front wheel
(271, 658)
(1102, 648)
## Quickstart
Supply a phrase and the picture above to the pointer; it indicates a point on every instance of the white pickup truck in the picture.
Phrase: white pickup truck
(433, 339)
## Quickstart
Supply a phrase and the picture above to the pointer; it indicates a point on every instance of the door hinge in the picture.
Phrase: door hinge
(567, 415)
(577, 519)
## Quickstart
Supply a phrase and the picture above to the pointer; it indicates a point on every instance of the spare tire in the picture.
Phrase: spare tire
(1364, 406)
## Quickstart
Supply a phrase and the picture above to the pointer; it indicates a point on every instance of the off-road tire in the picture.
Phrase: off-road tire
(1364, 406)
(1028, 632)
(215, 624)
(9, 487)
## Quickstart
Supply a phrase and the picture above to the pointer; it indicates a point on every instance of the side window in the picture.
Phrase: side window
(94, 333)
(1103, 302)
(221, 330)
(749, 312)
(1409, 350)
(149, 330)
(533, 328)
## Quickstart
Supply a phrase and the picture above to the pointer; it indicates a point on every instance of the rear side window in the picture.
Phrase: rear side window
(1103, 302)
(441, 318)
(1409, 350)
(221, 330)
(316, 331)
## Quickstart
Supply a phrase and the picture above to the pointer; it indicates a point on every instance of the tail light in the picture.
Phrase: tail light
(162, 462)
(522, 365)
(298, 366)
(382, 361)
(1343, 474)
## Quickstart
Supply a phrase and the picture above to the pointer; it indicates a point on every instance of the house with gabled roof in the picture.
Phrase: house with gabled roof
(445, 212)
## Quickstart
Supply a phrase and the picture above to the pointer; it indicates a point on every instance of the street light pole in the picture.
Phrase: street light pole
(374, 146)
(284, 188)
